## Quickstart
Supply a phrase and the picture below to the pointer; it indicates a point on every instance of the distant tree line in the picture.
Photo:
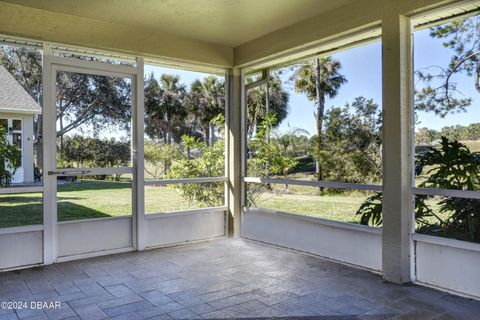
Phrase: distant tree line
(426, 136)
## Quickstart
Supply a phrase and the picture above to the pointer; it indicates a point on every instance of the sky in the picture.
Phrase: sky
(362, 68)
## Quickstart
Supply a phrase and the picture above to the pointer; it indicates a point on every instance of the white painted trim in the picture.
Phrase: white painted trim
(439, 288)
(52, 65)
(243, 147)
(233, 133)
(322, 221)
(468, 194)
(92, 67)
(327, 184)
(182, 227)
(21, 229)
(338, 240)
(93, 254)
(185, 243)
(243, 139)
(184, 180)
(453, 243)
(448, 264)
(60, 68)
(227, 141)
(23, 267)
(49, 155)
(95, 219)
(169, 214)
(397, 160)
(17, 111)
(100, 53)
(92, 53)
(441, 14)
(368, 34)
(182, 65)
(90, 171)
(351, 265)
(139, 233)
(15, 190)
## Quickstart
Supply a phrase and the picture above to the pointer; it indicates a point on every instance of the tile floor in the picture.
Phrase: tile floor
(220, 279)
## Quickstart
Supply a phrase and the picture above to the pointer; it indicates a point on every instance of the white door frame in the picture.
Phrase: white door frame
(51, 65)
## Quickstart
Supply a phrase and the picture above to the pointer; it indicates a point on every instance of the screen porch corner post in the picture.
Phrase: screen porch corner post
(235, 156)
(397, 75)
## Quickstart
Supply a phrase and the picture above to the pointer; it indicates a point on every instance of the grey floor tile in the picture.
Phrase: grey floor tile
(119, 290)
(126, 308)
(183, 314)
(90, 312)
(64, 312)
(227, 278)
(202, 308)
(156, 297)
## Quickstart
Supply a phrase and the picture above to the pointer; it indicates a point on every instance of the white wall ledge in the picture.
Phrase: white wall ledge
(447, 242)
(168, 214)
(95, 219)
(340, 241)
(21, 229)
(322, 221)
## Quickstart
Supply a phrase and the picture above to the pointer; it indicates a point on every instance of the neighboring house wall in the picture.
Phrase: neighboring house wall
(24, 174)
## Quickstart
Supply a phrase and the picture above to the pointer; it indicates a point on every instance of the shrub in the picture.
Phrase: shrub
(9, 159)
(451, 166)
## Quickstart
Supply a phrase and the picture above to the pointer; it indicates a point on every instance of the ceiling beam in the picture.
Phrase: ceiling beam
(41, 25)
(325, 27)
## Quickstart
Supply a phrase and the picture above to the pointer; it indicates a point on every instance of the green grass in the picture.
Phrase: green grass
(473, 145)
(305, 200)
(88, 199)
(97, 199)
(333, 207)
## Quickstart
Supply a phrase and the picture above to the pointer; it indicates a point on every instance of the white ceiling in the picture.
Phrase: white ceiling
(226, 22)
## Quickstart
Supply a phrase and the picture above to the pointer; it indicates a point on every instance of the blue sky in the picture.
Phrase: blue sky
(362, 68)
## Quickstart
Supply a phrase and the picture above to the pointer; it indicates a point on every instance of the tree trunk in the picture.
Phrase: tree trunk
(207, 135)
(61, 136)
(38, 143)
(477, 77)
(319, 118)
(267, 108)
(212, 134)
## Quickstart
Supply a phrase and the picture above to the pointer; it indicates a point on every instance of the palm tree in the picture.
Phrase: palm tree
(319, 79)
(257, 103)
(206, 100)
(165, 109)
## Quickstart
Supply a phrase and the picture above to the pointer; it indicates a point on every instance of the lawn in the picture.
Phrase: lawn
(96, 199)
(333, 207)
(88, 199)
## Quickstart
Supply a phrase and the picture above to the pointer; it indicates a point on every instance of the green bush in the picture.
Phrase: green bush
(451, 166)
(9, 159)
(210, 163)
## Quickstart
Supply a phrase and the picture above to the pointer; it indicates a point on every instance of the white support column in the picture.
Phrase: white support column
(140, 236)
(233, 132)
(49, 162)
(226, 189)
(397, 76)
